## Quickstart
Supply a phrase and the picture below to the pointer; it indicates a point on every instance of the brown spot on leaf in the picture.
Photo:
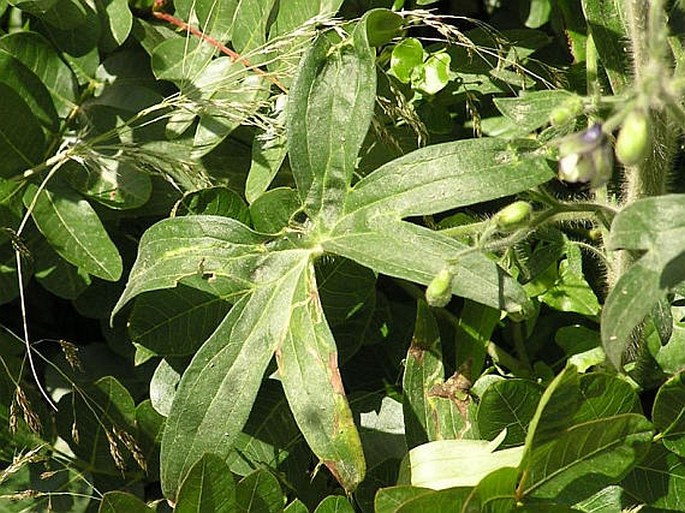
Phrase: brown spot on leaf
(416, 351)
(336, 379)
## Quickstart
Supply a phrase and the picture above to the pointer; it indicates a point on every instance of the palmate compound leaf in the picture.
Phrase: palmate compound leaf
(655, 227)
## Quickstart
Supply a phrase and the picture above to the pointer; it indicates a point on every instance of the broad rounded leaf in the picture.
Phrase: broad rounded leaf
(508, 404)
(122, 502)
(74, 230)
(669, 414)
(21, 138)
(208, 486)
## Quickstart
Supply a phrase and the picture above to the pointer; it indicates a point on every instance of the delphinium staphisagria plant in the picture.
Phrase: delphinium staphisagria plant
(401, 260)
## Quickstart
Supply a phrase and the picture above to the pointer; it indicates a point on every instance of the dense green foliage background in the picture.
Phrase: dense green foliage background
(341, 255)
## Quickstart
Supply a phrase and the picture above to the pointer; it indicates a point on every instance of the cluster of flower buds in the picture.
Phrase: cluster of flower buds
(586, 157)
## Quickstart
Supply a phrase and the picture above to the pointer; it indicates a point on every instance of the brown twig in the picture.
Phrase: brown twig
(234, 56)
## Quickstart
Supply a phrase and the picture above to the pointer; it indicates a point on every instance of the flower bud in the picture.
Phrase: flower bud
(566, 111)
(513, 216)
(634, 138)
(439, 291)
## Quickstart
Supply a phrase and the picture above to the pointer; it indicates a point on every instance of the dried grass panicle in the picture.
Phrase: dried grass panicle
(30, 416)
(132, 446)
(70, 352)
(19, 461)
(115, 451)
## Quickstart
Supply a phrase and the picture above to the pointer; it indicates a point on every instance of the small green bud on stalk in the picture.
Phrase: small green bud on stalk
(634, 138)
(514, 216)
(566, 111)
(439, 291)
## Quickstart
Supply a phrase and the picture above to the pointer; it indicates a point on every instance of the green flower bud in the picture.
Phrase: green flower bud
(633, 139)
(439, 291)
(513, 216)
(566, 111)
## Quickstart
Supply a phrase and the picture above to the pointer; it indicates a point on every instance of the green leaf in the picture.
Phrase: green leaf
(249, 26)
(294, 14)
(271, 439)
(458, 463)
(175, 322)
(407, 55)
(382, 26)
(450, 175)
(539, 13)
(15, 74)
(216, 16)
(606, 24)
(556, 409)
(37, 54)
(111, 182)
(433, 75)
(403, 499)
(215, 201)
(348, 296)
(221, 252)
(417, 254)
(180, 60)
(267, 157)
(586, 457)
(508, 404)
(74, 230)
(163, 387)
(208, 487)
(296, 506)
(259, 492)
(333, 504)
(233, 93)
(532, 109)
(36, 7)
(219, 386)
(273, 210)
(308, 367)
(668, 414)
(429, 414)
(55, 274)
(654, 226)
(329, 110)
(658, 480)
(150, 425)
(122, 502)
(116, 20)
(605, 395)
(570, 291)
(21, 138)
